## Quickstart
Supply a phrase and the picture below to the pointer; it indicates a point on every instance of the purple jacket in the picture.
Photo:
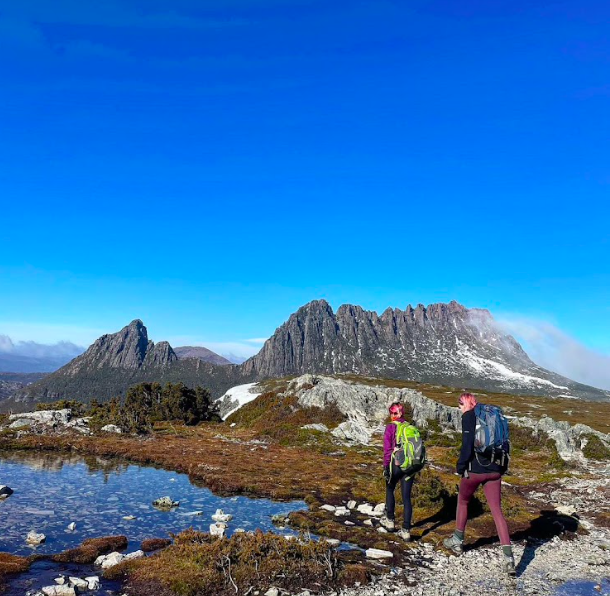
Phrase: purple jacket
(389, 442)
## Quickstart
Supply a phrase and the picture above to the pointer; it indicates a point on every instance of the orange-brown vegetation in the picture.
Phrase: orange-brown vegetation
(199, 564)
(270, 455)
(91, 549)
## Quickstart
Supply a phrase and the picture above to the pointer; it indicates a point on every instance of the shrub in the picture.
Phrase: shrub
(199, 564)
(595, 448)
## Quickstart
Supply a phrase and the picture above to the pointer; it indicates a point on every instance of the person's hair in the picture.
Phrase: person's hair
(396, 408)
(466, 396)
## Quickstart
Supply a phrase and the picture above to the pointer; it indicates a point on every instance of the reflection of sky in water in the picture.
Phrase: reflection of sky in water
(584, 588)
(51, 492)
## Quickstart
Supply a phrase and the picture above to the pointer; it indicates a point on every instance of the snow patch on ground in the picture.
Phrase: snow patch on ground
(243, 394)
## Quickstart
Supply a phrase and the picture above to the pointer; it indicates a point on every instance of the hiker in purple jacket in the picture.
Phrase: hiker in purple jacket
(393, 475)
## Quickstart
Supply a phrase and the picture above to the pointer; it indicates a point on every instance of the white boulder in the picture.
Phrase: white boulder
(377, 553)
(107, 561)
(218, 529)
(34, 538)
(221, 516)
(111, 428)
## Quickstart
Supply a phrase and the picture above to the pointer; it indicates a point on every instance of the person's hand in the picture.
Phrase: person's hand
(386, 473)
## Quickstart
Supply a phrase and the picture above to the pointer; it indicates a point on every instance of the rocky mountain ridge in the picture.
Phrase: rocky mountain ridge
(444, 343)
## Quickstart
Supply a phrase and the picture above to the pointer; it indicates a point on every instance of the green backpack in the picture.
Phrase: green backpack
(410, 453)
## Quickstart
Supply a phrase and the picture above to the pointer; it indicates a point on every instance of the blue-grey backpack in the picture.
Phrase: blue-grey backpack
(491, 437)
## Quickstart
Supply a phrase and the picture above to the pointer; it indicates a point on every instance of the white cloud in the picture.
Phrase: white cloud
(32, 349)
(555, 350)
(257, 340)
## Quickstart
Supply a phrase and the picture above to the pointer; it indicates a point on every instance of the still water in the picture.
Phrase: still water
(52, 491)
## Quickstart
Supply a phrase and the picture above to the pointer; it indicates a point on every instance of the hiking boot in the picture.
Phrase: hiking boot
(454, 544)
(509, 565)
(404, 534)
(387, 523)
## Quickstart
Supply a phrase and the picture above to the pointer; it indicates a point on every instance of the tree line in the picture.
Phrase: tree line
(145, 404)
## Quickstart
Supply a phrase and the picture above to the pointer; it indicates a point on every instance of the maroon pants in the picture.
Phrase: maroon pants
(491, 486)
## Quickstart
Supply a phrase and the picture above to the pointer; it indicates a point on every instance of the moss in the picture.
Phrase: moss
(595, 448)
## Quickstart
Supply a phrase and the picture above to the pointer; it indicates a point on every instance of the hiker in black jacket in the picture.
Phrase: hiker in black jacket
(476, 470)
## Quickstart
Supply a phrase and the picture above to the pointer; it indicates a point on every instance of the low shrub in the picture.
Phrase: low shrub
(595, 448)
(197, 563)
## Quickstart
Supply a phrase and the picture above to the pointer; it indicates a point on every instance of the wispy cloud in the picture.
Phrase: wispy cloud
(257, 340)
(49, 333)
(552, 348)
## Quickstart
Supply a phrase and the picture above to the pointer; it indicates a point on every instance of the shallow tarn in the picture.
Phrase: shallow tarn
(97, 494)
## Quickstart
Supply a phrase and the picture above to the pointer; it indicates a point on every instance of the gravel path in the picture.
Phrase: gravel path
(543, 567)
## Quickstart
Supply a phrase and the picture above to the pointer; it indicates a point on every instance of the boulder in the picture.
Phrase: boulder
(377, 553)
(80, 584)
(221, 516)
(138, 554)
(34, 538)
(165, 503)
(218, 529)
(326, 507)
(107, 561)
(65, 590)
(5, 491)
(71, 527)
(111, 428)
(93, 582)
(353, 431)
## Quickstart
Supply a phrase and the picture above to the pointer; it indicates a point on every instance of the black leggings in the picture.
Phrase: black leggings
(406, 484)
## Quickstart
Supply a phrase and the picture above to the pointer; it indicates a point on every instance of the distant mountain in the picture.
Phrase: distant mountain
(10, 383)
(116, 361)
(31, 357)
(446, 344)
(202, 353)
(234, 358)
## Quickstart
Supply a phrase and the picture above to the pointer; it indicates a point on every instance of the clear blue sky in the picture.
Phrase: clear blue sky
(210, 166)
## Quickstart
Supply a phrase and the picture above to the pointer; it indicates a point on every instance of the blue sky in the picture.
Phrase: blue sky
(210, 166)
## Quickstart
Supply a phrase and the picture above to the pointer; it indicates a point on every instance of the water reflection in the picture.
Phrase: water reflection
(98, 494)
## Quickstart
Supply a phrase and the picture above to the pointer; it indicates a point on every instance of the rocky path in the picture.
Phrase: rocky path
(570, 567)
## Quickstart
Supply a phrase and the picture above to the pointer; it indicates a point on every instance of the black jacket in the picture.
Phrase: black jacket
(468, 460)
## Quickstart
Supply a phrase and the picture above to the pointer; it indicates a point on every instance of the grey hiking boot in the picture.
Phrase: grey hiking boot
(404, 534)
(454, 544)
(387, 523)
(508, 564)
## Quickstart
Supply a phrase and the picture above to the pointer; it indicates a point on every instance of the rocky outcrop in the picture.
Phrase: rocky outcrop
(47, 421)
(366, 408)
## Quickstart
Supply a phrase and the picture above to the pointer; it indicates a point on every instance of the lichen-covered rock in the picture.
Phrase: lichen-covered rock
(165, 503)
